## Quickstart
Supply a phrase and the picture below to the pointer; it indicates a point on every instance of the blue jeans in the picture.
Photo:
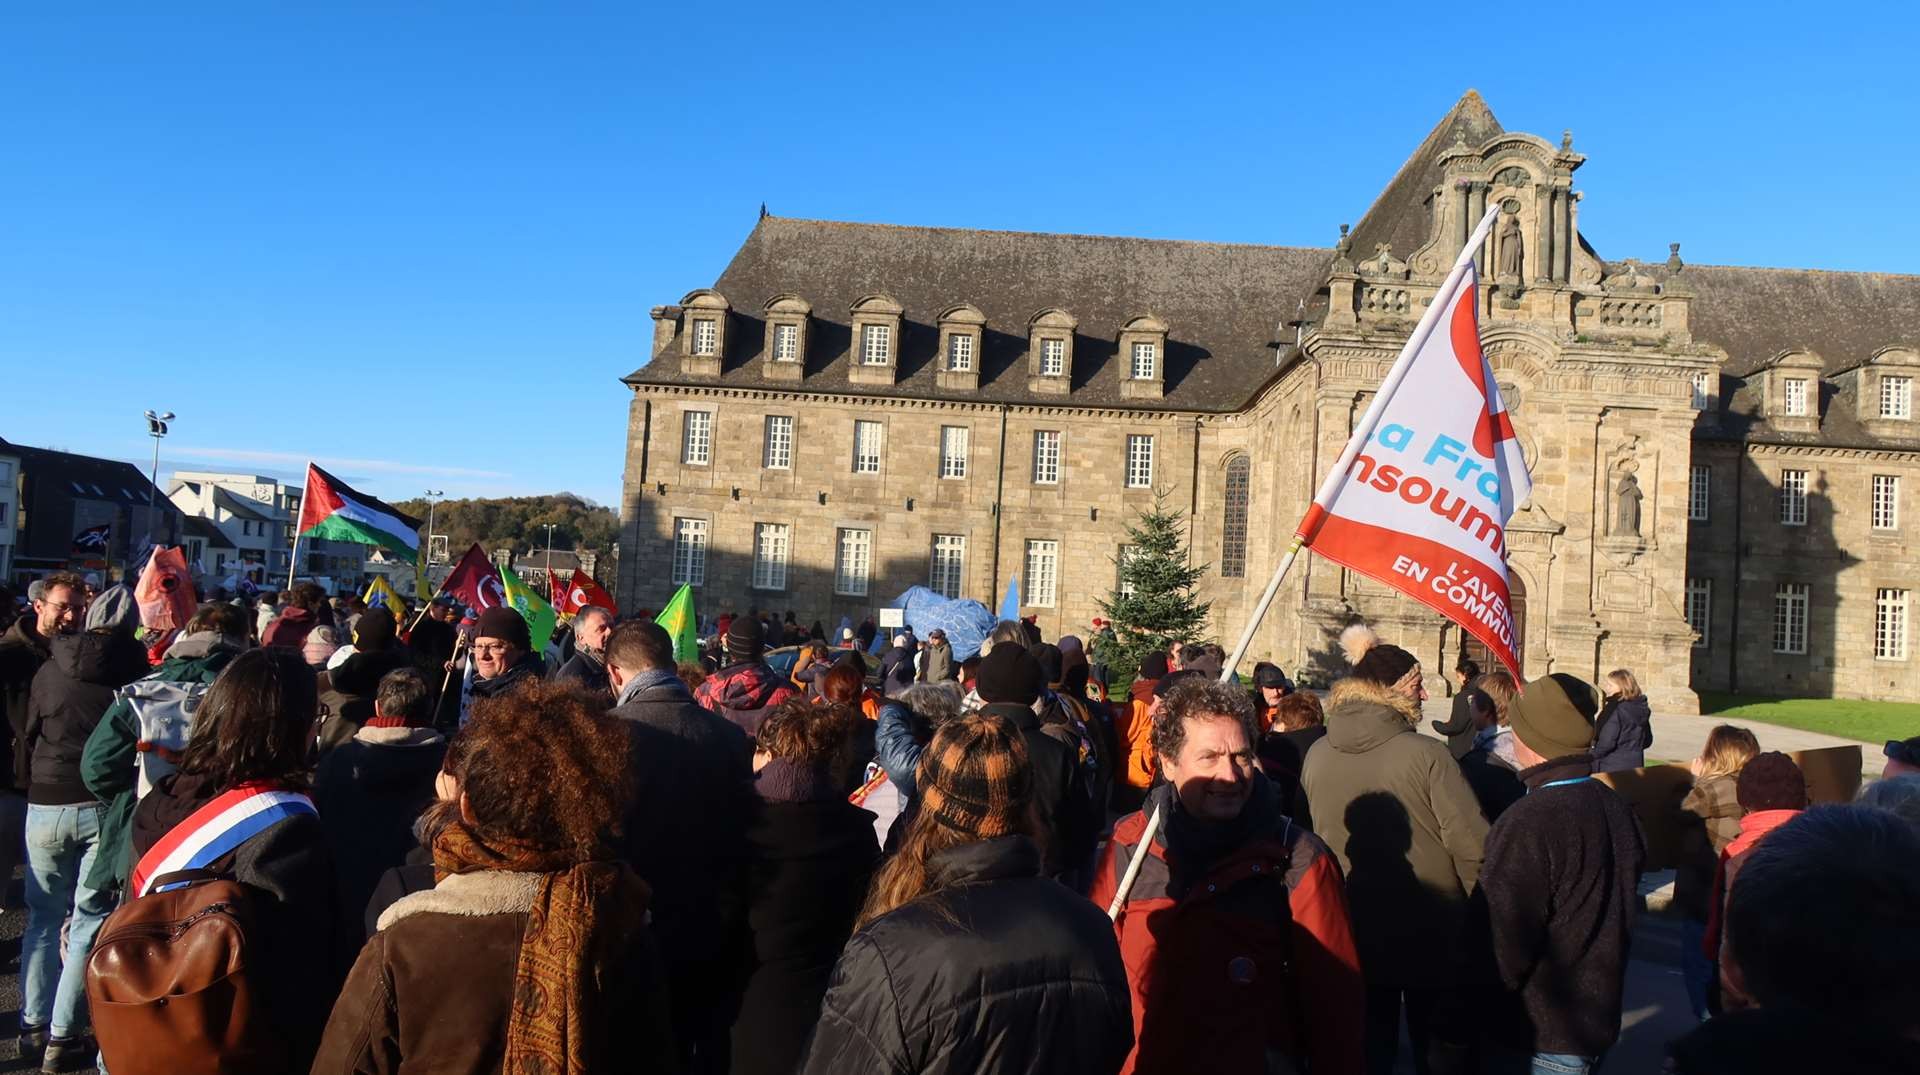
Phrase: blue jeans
(1697, 972)
(1564, 1064)
(61, 844)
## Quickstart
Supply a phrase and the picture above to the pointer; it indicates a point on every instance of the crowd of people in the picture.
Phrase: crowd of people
(601, 859)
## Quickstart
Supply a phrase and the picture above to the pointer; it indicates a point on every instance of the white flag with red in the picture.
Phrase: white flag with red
(1421, 497)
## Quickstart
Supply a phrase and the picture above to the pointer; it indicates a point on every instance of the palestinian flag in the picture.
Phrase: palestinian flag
(333, 511)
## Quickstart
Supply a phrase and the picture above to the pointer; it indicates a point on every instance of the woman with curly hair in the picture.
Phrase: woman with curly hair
(810, 853)
(531, 952)
(966, 959)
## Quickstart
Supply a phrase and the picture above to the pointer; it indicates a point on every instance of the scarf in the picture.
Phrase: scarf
(645, 680)
(584, 919)
(1194, 846)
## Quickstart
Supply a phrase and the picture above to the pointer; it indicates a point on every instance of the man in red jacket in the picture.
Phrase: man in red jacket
(1239, 952)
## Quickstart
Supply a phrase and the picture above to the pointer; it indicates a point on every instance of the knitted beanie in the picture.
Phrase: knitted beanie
(1771, 781)
(1009, 674)
(974, 777)
(1385, 664)
(506, 625)
(1153, 666)
(374, 630)
(1052, 663)
(746, 639)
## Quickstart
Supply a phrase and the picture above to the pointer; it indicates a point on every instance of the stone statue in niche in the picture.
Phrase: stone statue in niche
(1508, 260)
(1626, 506)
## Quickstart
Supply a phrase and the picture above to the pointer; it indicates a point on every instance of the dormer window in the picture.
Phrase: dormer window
(876, 326)
(961, 329)
(786, 346)
(876, 345)
(1896, 397)
(1050, 351)
(704, 332)
(1142, 354)
(1053, 358)
(1793, 392)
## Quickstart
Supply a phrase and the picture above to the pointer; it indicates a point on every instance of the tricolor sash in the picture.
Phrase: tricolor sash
(213, 831)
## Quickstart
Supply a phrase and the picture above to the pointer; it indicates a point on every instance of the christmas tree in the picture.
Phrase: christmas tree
(1154, 605)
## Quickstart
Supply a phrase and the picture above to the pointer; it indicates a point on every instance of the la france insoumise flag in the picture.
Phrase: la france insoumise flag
(1421, 496)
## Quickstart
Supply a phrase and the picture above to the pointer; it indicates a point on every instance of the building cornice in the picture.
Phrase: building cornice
(923, 403)
(1829, 451)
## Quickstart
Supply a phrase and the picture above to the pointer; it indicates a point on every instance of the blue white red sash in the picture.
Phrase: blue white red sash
(213, 831)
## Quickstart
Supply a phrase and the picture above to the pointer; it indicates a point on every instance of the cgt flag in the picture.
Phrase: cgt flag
(1420, 499)
(576, 593)
(475, 582)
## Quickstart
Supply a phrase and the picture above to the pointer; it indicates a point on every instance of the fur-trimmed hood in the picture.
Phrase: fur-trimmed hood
(1362, 714)
(469, 895)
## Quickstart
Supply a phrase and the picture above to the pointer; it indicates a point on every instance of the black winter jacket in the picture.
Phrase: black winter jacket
(301, 941)
(693, 772)
(71, 692)
(1621, 735)
(585, 671)
(22, 651)
(369, 791)
(1557, 897)
(808, 868)
(347, 692)
(1060, 794)
(529, 666)
(1024, 976)
(1458, 727)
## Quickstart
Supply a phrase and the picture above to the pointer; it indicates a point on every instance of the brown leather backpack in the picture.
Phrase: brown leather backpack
(169, 983)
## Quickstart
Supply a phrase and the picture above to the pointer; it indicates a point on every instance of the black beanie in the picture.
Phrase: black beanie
(1771, 781)
(1052, 662)
(373, 630)
(1385, 664)
(1009, 674)
(746, 639)
(506, 625)
(1153, 666)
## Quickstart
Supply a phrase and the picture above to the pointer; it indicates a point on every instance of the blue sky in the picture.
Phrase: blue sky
(419, 242)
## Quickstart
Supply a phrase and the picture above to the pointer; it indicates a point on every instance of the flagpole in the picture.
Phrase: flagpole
(293, 560)
(1363, 431)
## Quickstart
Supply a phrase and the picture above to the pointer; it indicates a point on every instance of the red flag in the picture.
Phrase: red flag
(579, 592)
(165, 591)
(1421, 496)
(475, 582)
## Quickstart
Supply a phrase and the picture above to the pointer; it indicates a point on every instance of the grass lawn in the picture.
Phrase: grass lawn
(1867, 721)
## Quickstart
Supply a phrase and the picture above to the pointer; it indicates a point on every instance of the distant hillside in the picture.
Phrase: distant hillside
(520, 522)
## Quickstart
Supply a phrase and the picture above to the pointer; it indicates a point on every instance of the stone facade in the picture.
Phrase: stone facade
(1622, 379)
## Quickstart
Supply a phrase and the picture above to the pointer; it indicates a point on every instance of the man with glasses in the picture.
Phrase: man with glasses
(59, 604)
(503, 653)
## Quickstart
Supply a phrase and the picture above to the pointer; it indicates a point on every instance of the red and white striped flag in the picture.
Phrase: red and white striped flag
(1420, 499)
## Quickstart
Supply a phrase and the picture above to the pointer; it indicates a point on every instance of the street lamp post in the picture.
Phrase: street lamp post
(431, 502)
(156, 428)
(549, 527)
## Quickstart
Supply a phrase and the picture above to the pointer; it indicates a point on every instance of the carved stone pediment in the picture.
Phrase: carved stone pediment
(1383, 264)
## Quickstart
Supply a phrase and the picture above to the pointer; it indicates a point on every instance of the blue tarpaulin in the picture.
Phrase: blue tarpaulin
(965, 621)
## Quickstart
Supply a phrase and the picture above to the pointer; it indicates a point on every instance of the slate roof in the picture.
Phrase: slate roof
(1222, 302)
(239, 505)
(86, 477)
(1225, 303)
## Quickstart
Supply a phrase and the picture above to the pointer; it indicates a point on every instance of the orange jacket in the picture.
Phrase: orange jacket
(1216, 983)
(1137, 727)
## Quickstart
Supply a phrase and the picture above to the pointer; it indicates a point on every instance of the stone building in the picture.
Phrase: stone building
(853, 409)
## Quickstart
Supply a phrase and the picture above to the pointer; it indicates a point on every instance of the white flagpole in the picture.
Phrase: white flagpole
(1441, 306)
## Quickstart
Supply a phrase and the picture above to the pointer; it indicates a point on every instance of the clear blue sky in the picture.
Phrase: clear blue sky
(296, 229)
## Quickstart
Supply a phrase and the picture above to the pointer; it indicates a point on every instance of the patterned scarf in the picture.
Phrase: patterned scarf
(583, 922)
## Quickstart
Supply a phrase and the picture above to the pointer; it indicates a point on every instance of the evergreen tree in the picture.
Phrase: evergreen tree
(1162, 608)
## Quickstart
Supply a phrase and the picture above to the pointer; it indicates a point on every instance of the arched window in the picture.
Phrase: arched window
(1233, 535)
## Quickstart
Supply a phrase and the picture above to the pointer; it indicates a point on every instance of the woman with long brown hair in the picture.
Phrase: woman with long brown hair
(247, 759)
(1710, 820)
(965, 958)
(531, 952)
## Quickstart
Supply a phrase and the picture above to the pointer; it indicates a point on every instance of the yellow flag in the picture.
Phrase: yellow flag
(381, 595)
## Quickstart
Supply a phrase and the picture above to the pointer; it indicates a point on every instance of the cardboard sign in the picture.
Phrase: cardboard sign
(1833, 773)
(1654, 795)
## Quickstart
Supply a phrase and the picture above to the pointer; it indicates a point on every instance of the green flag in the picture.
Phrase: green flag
(531, 606)
(677, 618)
